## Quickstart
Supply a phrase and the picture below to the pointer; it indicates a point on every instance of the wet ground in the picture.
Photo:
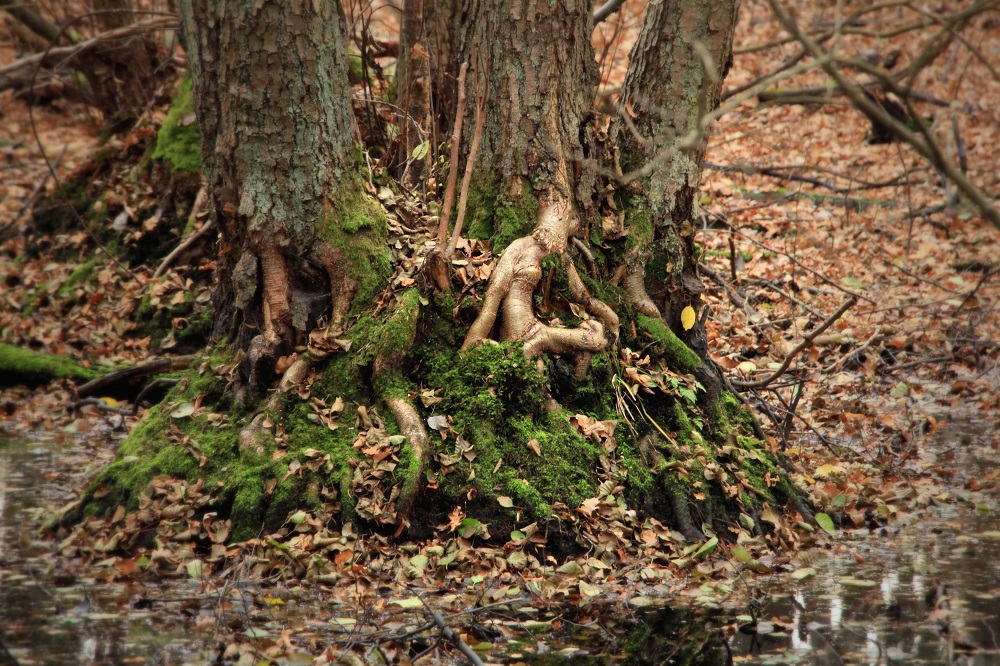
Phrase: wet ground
(925, 589)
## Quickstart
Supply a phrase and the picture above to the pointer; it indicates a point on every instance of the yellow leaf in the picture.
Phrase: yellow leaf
(829, 470)
(747, 367)
(687, 318)
(110, 402)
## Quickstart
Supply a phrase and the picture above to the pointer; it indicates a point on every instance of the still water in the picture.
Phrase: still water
(920, 591)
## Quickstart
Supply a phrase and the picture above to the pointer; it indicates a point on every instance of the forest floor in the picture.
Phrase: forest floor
(799, 213)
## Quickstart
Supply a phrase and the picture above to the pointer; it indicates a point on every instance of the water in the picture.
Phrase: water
(922, 590)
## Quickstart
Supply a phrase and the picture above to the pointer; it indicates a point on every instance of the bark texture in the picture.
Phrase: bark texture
(541, 74)
(273, 103)
(542, 79)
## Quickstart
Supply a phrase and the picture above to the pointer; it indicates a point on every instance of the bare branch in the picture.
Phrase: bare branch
(806, 341)
(607, 9)
(921, 140)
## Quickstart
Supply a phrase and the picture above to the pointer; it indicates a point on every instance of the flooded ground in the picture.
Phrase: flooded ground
(925, 589)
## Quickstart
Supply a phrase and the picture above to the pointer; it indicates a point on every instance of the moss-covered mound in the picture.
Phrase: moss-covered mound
(32, 368)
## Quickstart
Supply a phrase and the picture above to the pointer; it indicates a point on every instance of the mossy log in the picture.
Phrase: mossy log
(33, 368)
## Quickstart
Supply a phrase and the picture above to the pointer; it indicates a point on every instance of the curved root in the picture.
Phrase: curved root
(412, 427)
(634, 284)
(512, 287)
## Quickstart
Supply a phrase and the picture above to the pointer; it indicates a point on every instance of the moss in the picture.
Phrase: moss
(80, 275)
(498, 217)
(179, 141)
(240, 478)
(24, 366)
(678, 354)
(356, 228)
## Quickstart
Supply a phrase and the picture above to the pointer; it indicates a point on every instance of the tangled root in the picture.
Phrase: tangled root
(512, 286)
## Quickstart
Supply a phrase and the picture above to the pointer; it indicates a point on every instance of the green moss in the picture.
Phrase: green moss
(357, 229)
(80, 275)
(498, 217)
(24, 366)
(238, 477)
(179, 141)
(679, 355)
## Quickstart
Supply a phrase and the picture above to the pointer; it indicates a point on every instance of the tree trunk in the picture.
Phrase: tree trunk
(674, 80)
(273, 103)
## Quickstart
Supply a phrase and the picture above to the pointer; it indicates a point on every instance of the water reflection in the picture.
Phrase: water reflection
(924, 591)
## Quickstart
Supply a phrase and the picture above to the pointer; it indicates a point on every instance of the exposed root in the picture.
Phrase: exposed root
(412, 427)
(595, 307)
(513, 283)
(682, 513)
(634, 284)
(296, 373)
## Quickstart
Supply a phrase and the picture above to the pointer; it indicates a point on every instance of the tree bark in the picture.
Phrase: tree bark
(674, 79)
(273, 103)
(536, 395)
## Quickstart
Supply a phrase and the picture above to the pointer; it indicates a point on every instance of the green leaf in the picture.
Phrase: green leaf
(571, 568)
(839, 500)
(740, 554)
(805, 572)
(826, 522)
(470, 527)
(707, 548)
(420, 151)
(412, 602)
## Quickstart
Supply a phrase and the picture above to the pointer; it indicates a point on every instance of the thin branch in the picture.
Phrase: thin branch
(806, 342)
(470, 163)
(606, 10)
(26, 15)
(456, 143)
(61, 53)
(923, 143)
(199, 201)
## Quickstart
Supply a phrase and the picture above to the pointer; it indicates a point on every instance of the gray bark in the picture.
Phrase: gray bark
(273, 103)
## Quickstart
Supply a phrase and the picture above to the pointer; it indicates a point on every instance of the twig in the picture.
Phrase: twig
(806, 342)
(454, 638)
(921, 140)
(588, 256)
(456, 142)
(141, 370)
(30, 201)
(606, 10)
(165, 22)
(191, 240)
(159, 381)
(922, 361)
(833, 367)
(471, 161)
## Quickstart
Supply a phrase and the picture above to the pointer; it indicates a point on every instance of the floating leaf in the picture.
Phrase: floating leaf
(804, 572)
(826, 522)
(687, 318)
